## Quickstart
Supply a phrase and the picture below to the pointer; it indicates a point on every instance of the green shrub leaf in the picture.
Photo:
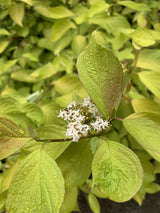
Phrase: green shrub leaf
(151, 81)
(38, 185)
(135, 5)
(145, 105)
(102, 76)
(145, 128)
(75, 163)
(116, 171)
(16, 12)
(59, 28)
(149, 59)
(12, 137)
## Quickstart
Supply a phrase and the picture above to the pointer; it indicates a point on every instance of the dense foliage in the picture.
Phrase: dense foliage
(56, 52)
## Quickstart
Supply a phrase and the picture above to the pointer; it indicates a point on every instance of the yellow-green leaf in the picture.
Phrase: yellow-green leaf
(12, 137)
(145, 128)
(38, 185)
(116, 171)
(102, 76)
(16, 12)
(149, 59)
(135, 6)
(59, 28)
(145, 105)
(151, 81)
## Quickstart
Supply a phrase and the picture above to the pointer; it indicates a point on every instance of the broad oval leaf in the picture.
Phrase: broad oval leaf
(75, 163)
(151, 80)
(16, 12)
(145, 105)
(149, 59)
(145, 128)
(12, 137)
(54, 149)
(116, 171)
(52, 12)
(59, 28)
(33, 111)
(38, 185)
(135, 5)
(102, 76)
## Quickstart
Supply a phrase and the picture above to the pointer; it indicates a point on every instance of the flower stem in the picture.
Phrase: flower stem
(69, 139)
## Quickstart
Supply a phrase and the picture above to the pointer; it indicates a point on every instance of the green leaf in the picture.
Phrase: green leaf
(97, 7)
(145, 105)
(33, 111)
(71, 194)
(78, 44)
(102, 76)
(59, 28)
(145, 128)
(149, 59)
(52, 12)
(67, 84)
(23, 76)
(54, 149)
(8, 64)
(143, 37)
(44, 71)
(31, 56)
(93, 203)
(75, 163)
(3, 45)
(50, 113)
(38, 185)
(16, 12)
(151, 80)
(8, 105)
(27, 1)
(113, 24)
(12, 137)
(116, 171)
(135, 5)
(3, 32)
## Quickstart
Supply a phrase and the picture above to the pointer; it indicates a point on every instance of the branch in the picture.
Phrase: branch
(69, 139)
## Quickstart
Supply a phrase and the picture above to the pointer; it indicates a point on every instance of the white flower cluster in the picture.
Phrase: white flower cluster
(82, 118)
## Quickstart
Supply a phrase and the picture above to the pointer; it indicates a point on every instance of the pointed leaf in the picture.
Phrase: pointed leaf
(12, 137)
(135, 5)
(52, 12)
(16, 12)
(33, 111)
(75, 163)
(93, 203)
(38, 185)
(145, 128)
(3, 45)
(145, 105)
(149, 59)
(59, 28)
(116, 171)
(151, 81)
(102, 76)
(54, 149)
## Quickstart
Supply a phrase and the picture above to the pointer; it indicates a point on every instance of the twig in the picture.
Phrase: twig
(69, 139)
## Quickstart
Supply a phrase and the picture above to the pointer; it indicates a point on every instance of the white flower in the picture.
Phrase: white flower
(73, 103)
(67, 116)
(79, 119)
(75, 136)
(104, 124)
(61, 114)
(96, 126)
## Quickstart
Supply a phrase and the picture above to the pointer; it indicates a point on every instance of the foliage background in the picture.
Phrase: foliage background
(39, 46)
